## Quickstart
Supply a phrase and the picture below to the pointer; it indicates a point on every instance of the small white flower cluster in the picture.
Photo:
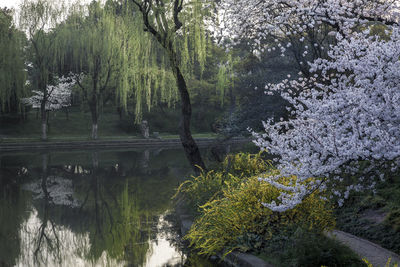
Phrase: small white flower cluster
(347, 112)
(57, 96)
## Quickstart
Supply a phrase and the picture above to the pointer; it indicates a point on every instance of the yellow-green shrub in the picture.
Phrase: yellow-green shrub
(246, 164)
(208, 185)
(239, 211)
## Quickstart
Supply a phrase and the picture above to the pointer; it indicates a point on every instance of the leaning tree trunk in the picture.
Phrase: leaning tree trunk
(189, 145)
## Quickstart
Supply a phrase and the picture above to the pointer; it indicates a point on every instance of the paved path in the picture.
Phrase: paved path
(375, 254)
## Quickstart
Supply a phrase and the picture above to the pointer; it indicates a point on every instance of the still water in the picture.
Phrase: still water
(91, 208)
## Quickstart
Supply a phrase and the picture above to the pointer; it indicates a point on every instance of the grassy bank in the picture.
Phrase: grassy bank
(75, 125)
(67, 138)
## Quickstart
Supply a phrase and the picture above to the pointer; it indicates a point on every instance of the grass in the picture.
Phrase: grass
(77, 126)
(65, 138)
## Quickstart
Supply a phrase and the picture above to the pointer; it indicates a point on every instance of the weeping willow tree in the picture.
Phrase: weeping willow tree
(98, 47)
(142, 73)
(91, 50)
(226, 79)
(38, 18)
(12, 73)
(178, 28)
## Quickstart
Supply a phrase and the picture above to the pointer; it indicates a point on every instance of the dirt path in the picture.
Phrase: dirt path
(375, 254)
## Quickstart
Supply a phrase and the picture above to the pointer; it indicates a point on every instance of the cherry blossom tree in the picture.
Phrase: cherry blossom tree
(345, 113)
(57, 96)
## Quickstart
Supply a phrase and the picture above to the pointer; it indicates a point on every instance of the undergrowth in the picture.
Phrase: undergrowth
(375, 217)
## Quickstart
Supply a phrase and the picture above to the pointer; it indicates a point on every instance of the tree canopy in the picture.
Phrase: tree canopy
(12, 63)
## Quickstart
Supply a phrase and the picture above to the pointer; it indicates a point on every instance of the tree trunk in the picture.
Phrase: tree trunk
(47, 121)
(94, 131)
(119, 110)
(43, 120)
(189, 145)
(93, 111)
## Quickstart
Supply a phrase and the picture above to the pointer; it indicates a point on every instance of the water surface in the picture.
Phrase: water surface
(91, 208)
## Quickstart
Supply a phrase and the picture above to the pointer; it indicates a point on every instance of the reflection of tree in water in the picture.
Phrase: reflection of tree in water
(113, 219)
(105, 212)
(48, 231)
(13, 204)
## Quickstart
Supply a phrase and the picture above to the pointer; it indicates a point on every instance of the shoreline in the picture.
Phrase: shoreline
(132, 143)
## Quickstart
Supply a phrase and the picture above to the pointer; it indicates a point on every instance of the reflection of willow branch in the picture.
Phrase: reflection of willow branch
(84, 202)
(112, 195)
(96, 208)
(105, 204)
(99, 196)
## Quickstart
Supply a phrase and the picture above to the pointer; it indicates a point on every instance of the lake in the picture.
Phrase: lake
(93, 208)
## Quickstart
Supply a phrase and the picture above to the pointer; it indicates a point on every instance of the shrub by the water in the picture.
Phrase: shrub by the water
(239, 213)
(198, 190)
(231, 216)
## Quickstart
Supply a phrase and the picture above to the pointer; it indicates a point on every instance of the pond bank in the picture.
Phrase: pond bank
(235, 259)
(92, 144)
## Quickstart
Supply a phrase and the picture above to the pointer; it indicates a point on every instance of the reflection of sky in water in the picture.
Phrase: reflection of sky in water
(90, 209)
(60, 246)
(161, 251)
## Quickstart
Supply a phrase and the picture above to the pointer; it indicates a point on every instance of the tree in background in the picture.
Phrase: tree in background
(37, 19)
(91, 45)
(243, 79)
(12, 65)
(345, 113)
(58, 96)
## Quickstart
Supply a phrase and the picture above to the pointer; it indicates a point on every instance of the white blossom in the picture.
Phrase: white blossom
(58, 96)
(347, 112)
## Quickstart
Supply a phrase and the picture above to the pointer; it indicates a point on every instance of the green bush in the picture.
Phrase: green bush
(198, 190)
(239, 214)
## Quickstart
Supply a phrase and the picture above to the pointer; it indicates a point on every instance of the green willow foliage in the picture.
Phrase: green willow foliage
(225, 77)
(106, 43)
(12, 68)
(38, 19)
(91, 47)
(190, 43)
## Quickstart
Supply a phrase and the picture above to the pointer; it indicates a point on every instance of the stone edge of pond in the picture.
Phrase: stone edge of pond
(235, 259)
(148, 143)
